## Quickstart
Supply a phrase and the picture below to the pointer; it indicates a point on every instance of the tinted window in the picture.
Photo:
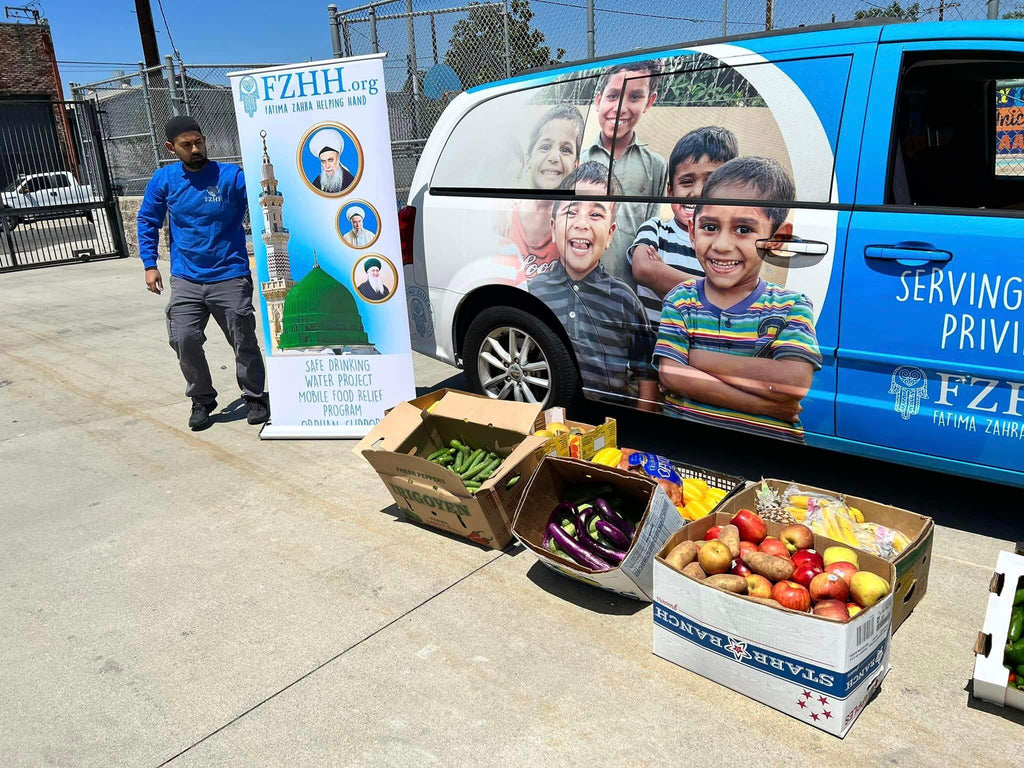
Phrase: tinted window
(58, 181)
(37, 184)
(951, 148)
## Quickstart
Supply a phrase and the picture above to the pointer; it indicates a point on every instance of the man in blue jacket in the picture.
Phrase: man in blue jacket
(209, 267)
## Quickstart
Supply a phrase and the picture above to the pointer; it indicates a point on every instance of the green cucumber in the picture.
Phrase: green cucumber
(512, 481)
(437, 454)
(456, 444)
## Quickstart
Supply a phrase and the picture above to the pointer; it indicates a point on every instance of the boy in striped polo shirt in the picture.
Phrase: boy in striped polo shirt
(602, 316)
(733, 349)
(662, 255)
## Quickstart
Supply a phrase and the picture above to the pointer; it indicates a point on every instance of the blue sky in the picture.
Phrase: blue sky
(257, 31)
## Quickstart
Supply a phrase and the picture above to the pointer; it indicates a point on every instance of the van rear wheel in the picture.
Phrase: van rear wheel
(511, 355)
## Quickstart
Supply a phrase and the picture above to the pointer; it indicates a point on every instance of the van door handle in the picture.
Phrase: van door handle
(794, 246)
(907, 253)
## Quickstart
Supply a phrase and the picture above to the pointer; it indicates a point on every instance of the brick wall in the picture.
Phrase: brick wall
(26, 61)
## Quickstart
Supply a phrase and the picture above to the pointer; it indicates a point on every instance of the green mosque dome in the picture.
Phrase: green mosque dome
(320, 312)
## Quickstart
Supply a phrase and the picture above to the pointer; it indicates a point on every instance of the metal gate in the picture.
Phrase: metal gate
(57, 203)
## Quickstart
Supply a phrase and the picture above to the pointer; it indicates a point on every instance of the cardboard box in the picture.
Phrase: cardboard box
(912, 564)
(991, 677)
(634, 576)
(818, 671)
(433, 495)
(593, 439)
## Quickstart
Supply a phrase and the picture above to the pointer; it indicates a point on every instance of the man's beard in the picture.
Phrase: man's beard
(196, 162)
(376, 283)
(331, 182)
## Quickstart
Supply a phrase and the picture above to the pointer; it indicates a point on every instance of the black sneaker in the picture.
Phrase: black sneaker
(200, 417)
(258, 411)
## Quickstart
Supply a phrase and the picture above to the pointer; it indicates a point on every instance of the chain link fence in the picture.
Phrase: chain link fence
(133, 107)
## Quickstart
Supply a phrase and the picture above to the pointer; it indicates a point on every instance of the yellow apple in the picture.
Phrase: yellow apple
(840, 555)
(866, 588)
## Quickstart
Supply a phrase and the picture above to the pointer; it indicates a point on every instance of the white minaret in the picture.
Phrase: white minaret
(275, 238)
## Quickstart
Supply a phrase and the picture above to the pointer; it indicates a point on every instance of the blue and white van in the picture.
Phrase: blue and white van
(816, 234)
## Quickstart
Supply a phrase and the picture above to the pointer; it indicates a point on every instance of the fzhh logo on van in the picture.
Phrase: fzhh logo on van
(247, 94)
(910, 385)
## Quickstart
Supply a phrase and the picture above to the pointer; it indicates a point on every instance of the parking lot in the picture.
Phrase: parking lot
(204, 599)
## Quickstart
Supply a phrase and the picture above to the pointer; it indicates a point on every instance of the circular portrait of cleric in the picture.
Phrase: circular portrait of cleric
(330, 159)
(375, 277)
(358, 224)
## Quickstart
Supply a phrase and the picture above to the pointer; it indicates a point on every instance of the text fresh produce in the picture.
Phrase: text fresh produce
(741, 559)
(474, 467)
(591, 528)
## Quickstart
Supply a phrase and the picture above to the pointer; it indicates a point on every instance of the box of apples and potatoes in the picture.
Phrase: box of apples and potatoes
(804, 628)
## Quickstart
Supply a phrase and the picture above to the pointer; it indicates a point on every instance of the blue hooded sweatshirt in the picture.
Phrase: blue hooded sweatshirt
(206, 209)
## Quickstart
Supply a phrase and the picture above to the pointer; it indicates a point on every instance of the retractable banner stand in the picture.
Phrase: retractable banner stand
(316, 149)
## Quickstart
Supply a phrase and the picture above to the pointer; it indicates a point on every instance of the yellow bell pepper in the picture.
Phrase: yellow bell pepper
(683, 513)
(609, 457)
(693, 489)
(715, 493)
(697, 509)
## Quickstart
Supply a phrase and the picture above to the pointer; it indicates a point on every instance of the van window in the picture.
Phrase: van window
(958, 141)
(37, 184)
(713, 111)
(523, 141)
(58, 181)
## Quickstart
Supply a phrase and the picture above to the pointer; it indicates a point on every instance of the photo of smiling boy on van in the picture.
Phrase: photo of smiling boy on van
(662, 254)
(625, 93)
(604, 319)
(732, 348)
(553, 152)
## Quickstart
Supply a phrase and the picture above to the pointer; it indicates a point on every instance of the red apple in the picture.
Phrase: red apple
(712, 533)
(802, 556)
(829, 586)
(752, 528)
(774, 547)
(832, 609)
(789, 594)
(796, 537)
(745, 548)
(741, 570)
(854, 609)
(758, 586)
(843, 569)
(804, 573)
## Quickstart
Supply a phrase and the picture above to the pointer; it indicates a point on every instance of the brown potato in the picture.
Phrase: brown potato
(771, 567)
(694, 571)
(729, 582)
(730, 536)
(682, 554)
(764, 601)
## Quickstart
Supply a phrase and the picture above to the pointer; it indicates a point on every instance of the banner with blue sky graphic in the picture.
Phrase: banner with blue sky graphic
(316, 149)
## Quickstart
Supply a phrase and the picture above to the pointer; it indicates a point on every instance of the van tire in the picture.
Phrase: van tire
(494, 322)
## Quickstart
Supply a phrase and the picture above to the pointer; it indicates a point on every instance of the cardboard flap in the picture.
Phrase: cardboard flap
(419, 470)
(520, 452)
(517, 417)
(393, 429)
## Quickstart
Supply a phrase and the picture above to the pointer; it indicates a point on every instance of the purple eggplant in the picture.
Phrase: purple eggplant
(582, 556)
(600, 549)
(613, 517)
(613, 534)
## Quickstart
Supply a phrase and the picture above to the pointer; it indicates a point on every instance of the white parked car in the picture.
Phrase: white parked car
(46, 190)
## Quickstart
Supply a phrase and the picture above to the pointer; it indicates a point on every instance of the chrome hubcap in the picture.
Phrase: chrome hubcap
(512, 366)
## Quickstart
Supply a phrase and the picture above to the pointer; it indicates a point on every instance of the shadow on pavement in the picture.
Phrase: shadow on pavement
(236, 410)
(400, 517)
(583, 595)
(1007, 713)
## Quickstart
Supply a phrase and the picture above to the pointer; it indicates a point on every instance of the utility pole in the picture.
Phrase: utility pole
(150, 50)
(993, 9)
(590, 29)
(725, 18)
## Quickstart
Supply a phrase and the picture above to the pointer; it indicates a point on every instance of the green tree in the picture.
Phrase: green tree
(896, 11)
(1014, 15)
(477, 47)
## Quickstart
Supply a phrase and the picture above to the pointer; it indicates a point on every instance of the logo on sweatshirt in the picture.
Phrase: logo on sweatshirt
(213, 195)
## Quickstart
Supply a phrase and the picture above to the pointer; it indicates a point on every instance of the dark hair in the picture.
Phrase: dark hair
(651, 66)
(765, 176)
(178, 125)
(590, 172)
(719, 144)
(561, 112)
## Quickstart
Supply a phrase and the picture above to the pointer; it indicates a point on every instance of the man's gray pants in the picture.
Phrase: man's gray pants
(230, 303)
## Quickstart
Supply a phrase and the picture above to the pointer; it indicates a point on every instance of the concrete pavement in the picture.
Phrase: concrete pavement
(206, 599)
